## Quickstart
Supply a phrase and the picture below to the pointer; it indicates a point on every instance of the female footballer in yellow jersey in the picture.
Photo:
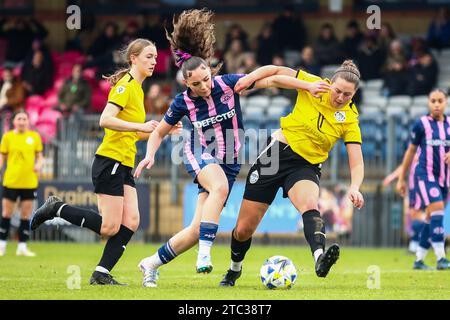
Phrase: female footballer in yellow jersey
(294, 157)
(124, 122)
(21, 149)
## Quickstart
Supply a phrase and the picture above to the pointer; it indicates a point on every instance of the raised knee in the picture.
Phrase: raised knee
(109, 230)
(243, 233)
(221, 190)
(309, 204)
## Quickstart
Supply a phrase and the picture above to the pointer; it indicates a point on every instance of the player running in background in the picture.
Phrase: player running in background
(431, 133)
(124, 122)
(211, 155)
(415, 206)
(299, 148)
(21, 149)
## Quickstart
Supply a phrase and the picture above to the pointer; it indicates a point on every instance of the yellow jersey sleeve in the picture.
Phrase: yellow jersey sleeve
(305, 76)
(352, 133)
(119, 95)
(4, 147)
(38, 143)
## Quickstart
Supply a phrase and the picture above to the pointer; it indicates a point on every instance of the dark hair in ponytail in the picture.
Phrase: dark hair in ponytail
(193, 40)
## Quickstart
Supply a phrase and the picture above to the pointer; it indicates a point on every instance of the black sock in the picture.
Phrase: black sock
(81, 217)
(238, 248)
(314, 229)
(4, 228)
(24, 230)
(115, 246)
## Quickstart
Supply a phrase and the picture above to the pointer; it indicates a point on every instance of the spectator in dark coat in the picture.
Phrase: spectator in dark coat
(327, 46)
(352, 41)
(370, 59)
(289, 30)
(439, 30)
(423, 75)
(37, 78)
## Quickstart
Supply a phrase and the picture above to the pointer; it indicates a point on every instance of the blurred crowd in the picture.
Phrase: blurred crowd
(70, 83)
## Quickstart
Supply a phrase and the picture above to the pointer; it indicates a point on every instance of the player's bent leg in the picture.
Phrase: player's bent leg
(7, 211)
(435, 212)
(250, 216)
(304, 195)
(213, 179)
(111, 209)
(179, 243)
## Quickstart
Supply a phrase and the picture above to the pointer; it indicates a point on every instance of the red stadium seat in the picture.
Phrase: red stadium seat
(98, 101)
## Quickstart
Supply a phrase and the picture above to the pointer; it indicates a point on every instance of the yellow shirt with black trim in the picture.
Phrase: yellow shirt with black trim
(20, 150)
(127, 95)
(314, 126)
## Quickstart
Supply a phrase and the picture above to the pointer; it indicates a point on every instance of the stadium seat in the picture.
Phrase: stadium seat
(328, 71)
(417, 111)
(261, 101)
(274, 112)
(400, 101)
(374, 85)
(395, 109)
(280, 101)
(420, 100)
(379, 101)
(254, 112)
(370, 109)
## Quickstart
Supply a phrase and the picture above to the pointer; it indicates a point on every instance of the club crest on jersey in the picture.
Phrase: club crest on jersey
(29, 140)
(226, 97)
(254, 177)
(340, 116)
(120, 89)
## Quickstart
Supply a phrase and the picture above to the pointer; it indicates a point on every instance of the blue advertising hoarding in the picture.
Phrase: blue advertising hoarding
(281, 217)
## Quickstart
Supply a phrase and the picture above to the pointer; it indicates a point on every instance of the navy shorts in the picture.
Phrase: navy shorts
(194, 162)
(430, 192)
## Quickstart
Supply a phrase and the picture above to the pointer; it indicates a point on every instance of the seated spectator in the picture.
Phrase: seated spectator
(395, 70)
(12, 92)
(75, 94)
(39, 45)
(266, 48)
(236, 32)
(439, 30)
(156, 102)
(38, 77)
(234, 58)
(130, 33)
(327, 47)
(19, 35)
(423, 76)
(106, 42)
(385, 37)
(249, 63)
(352, 41)
(285, 26)
(308, 62)
(370, 59)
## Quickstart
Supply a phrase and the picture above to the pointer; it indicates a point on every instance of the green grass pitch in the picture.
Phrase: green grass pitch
(50, 275)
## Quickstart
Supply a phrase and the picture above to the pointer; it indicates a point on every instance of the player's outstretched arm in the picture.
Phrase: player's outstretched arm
(287, 82)
(109, 120)
(356, 164)
(406, 164)
(153, 144)
(261, 73)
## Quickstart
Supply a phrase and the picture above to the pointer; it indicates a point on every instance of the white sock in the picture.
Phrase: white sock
(22, 246)
(236, 266)
(204, 248)
(413, 245)
(421, 253)
(317, 254)
(3, 244)
(101, 269)
(439, 250)
(152, 262)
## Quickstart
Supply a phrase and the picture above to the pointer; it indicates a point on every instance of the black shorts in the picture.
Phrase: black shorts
(264, 180)
(23, 194)
(109, 176)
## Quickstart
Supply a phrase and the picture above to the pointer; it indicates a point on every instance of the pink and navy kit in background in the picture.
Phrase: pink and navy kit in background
(217, 129)
(432, 173)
